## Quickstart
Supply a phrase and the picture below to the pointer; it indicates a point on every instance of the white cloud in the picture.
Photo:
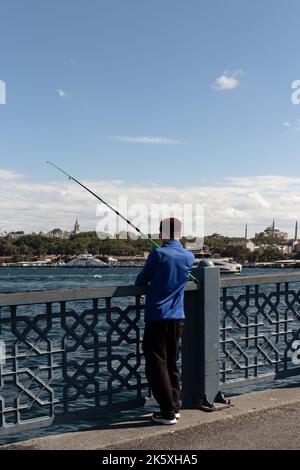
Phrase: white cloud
(62, 93)
(227, 80)
(257, 200)
(9, 175)
(228, 204)
(149, 140)
(292, 126)
(266, 183)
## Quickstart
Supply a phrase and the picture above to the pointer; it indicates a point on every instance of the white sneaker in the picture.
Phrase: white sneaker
(158, 418)
(177, 415)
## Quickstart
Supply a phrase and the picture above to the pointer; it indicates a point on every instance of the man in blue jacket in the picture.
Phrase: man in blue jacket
(166, 271)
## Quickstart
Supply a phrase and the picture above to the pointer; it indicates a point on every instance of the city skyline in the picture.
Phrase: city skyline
(267, 232)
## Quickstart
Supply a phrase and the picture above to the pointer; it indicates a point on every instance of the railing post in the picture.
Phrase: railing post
(200, 352)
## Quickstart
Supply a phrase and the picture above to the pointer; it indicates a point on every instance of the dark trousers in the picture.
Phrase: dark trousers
(161, 345)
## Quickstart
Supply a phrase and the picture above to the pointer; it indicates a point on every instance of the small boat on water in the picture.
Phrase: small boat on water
(226, 265)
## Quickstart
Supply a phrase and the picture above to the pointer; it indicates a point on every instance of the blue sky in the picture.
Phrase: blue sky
(181, 93)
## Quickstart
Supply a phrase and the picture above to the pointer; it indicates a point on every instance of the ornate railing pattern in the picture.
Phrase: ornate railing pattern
(74, 353)
(260, 329)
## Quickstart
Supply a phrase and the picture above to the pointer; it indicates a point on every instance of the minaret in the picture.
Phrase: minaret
(246, 235)
(273, 229)
(296, 231)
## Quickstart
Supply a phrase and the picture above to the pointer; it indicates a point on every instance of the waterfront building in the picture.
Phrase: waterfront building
(15, 235)
(122, 260)
(76, 229)
(58, 233)
(272, 232)
(249, 244)
(284, 248)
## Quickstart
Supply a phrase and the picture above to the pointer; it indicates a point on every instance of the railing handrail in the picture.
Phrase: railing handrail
(87, 293)
(258, 280)
(67, 295)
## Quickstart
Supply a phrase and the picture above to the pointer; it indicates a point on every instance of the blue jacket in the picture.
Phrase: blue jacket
(167, 270)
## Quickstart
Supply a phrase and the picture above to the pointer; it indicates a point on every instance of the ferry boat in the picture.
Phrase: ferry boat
(85, 260)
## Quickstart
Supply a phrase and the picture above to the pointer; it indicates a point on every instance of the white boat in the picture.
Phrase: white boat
(86, 261)
(226, 265)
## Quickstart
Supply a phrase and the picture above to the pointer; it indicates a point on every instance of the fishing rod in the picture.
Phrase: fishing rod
(154, 243)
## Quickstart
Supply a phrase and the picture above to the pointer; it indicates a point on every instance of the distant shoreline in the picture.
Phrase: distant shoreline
(271, 266)
(73, 267)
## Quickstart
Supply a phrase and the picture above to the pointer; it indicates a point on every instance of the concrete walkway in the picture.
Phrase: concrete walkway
(259, 420)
